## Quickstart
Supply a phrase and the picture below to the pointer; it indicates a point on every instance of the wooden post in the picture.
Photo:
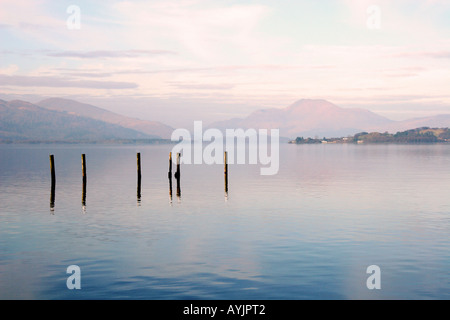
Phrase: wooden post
(170, 188)
(83, 167)
(52, 168)
(139, 176)
(225, 161)
(53, 186)
(178, 175)
(170, 166)
(169, 175)
(83, 192)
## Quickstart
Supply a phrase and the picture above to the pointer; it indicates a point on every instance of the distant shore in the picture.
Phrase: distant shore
(422, 135)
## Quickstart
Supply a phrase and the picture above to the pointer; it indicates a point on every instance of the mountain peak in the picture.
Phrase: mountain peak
(310, 117)
(312, 105)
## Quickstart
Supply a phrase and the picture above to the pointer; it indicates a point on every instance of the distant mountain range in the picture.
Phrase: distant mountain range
(67, 120)
(58, 119)
(150, 128)
(320, 118)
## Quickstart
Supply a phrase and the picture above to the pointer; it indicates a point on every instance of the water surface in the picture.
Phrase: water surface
(308, 232)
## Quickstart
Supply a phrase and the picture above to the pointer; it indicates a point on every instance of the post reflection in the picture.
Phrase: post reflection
(139, 191)
(52, 197)
(178, 189)
(83, 196)
(170, 188)
(53, 186)
(178, 177)
(226, 186)
(139, 178)
(225, 174)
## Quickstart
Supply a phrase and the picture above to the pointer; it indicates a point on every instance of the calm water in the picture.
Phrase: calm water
(309, 232)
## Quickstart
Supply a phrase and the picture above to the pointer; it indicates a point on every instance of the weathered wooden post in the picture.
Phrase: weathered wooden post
(53, 186)
(170, 189)
(225, 161)
(170, 166)
(139, 177)
(178, 176)
(83, 168)
(177, 173)
(52, 168)
(83, 191)
(169, 175)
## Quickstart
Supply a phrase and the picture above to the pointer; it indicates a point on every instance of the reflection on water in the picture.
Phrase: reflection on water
(84, 186)
(178, 177)
(225, 173)
(139, 196)
(309, 232)
(52, 196)
(83, 195)
(139, 178)
(170, 188)
(53, 183)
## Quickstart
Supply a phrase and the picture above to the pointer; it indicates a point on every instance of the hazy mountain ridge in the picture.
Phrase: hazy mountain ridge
(320, 118)
(152, 128)
(68, 120)
(21, 120)
(437, 121)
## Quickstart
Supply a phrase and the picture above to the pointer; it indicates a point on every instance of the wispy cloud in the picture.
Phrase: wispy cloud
(57, 82)
(424, 54)
(101, 54)
(203, 86)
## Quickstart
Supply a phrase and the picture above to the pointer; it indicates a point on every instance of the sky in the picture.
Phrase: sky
(186, 60)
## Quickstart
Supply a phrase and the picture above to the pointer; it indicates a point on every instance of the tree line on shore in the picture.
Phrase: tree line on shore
(419, 135)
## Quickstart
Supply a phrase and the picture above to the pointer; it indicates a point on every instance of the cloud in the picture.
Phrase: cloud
(11, 69)
(89, 74)
(229, 68)
(206, 31)
(57, 82)
(203, 86)
(101, 54)
(424, 54)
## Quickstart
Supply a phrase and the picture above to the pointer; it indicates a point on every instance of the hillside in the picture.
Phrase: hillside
(152, 128)
(20, 120)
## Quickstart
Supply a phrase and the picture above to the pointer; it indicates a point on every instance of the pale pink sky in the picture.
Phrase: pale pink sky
(221, 59)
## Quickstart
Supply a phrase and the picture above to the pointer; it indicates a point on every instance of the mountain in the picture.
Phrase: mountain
(72, 107)
(68, 120)
(309, 118)
(21, 120)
